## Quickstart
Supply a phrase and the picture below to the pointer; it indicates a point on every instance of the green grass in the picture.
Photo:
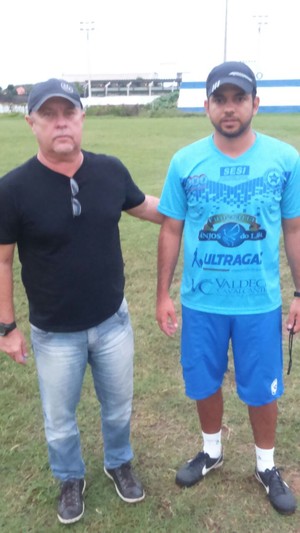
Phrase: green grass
(164, 425)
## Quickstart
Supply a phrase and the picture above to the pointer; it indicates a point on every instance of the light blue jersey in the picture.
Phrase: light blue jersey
(232, 208)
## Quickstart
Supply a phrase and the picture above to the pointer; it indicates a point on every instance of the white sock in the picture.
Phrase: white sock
(212, 444)
(264, 459)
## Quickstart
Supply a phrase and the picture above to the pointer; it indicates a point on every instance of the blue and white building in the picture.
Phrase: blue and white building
(277, 95)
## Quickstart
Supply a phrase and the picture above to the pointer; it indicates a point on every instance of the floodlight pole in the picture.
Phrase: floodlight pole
(262, 21)
(225, 30)
(88, 27)
(128, 87)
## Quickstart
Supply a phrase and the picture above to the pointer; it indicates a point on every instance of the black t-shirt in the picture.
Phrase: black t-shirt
(72, 267)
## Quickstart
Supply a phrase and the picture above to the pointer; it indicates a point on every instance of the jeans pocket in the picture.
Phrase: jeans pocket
(38, 335)
(122, 313)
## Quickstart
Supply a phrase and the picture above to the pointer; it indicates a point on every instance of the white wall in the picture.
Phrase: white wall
(13, 108)
(139, 99)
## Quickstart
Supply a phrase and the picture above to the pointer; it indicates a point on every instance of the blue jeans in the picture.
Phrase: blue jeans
(61, 360)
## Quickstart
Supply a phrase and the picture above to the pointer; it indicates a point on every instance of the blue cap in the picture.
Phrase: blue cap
(50, 88)
(233, 73)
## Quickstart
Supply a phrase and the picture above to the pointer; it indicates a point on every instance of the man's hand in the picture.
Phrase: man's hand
(14, 345)
(166, 316)
(293, 319)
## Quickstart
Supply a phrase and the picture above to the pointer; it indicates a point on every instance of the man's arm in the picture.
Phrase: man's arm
(147, 210)
(14, 343)
(291, 233)
(168, 251)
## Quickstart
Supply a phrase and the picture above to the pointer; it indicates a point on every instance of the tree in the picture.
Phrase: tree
(10, 90)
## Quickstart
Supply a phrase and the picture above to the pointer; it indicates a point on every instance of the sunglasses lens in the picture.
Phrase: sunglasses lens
(74, 187)
(76, 207)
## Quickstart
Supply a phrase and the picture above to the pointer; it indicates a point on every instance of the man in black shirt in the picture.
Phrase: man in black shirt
(62, 209)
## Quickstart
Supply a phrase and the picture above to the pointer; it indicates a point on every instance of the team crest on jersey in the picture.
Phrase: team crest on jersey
(274, 178)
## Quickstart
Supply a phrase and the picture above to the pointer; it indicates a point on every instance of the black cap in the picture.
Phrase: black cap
(233, 73)
(50, 88)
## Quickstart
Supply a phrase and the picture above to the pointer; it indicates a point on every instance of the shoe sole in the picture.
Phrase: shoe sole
(127, 500)
(281, 511)
(187, 485)
(73, 520)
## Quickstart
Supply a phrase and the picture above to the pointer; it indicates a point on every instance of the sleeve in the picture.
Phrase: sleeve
(133, 195)
(173, 202)
(290, 203)
(9, 227)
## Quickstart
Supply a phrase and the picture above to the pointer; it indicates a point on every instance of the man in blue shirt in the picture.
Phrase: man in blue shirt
(228, 196)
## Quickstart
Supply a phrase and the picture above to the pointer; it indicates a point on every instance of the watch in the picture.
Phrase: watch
(6, 328)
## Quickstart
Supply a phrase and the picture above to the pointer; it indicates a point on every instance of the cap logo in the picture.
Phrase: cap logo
(241, 75)
(215, 86)
(66, 87)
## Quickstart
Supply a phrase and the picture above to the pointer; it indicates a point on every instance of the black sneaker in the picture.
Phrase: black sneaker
(128, 487)
(279, 493)
(71, 504)
(195, 469)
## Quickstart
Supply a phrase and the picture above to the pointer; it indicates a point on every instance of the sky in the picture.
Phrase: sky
(39, 40)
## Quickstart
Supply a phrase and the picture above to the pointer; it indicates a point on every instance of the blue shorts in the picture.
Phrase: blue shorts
(257, 352)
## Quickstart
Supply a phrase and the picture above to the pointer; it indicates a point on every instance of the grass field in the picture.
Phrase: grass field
(165, 429)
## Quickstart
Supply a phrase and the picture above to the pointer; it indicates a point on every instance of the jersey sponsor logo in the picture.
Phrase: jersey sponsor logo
(240, 170)
(222, 286)
(224, 261)
(232, 233)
